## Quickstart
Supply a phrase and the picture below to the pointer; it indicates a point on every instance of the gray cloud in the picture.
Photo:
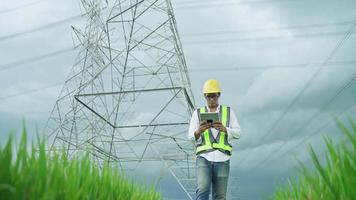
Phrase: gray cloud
(258, 96)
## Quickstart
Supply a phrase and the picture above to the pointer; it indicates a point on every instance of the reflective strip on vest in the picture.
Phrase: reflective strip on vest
(221, 142)
(205, 144)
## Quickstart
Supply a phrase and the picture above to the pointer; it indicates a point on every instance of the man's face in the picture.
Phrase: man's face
(212, 99)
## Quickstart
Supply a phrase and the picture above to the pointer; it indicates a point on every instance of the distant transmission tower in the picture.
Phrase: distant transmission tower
(127, 98)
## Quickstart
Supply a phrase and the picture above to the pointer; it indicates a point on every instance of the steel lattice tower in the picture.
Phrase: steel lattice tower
(127, 98)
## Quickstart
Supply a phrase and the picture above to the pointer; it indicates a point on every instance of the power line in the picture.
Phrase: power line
(40, 28)
(231, 3)
(262, 67)
(298, 131)
(13, 65)
(3, 11)
(181, 4)
(34, 59)
(30, 91)
(8, 66)
(268, 29)
(21, 6)
(57, 84)
(195, 1)
(314, 133)
(318, 131)
(308, 35)
(333, 52)
(65, 20)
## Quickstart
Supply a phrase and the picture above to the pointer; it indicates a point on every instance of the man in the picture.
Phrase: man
(213, 144)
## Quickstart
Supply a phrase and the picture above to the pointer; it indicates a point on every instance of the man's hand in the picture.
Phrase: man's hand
(202, 127)
(219, 126)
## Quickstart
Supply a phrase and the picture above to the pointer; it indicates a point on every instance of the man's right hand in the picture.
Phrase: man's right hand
(202, 127)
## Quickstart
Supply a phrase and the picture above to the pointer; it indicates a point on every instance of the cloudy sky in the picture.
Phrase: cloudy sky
(286, 68)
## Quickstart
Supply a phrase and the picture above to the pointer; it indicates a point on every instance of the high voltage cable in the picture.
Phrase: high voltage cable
(224, 69)
(302, 27)
(223, 41)
(318, 131)
(310, 81)
(221, 4)
(13, 65)
(30, 91)
(21, 6)
(197, 1)
(8, 66)
(34, 59)
(182, 4)
(262, 67)
(314, 133)
(61, 51)
(63, 21)
(41, 28)
(333, 52)
(347, 85)
(267, 29)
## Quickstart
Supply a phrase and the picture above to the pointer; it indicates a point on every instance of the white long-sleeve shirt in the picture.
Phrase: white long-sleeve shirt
(233, 132)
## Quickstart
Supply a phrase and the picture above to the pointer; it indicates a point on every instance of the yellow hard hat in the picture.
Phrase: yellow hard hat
(211, 86)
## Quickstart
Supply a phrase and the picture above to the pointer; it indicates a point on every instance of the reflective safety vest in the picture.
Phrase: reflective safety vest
(208, 142)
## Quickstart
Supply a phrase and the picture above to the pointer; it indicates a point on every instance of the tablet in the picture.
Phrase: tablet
(210, 117)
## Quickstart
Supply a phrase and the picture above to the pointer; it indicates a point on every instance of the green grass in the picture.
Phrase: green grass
(30, 174)
(334, 180)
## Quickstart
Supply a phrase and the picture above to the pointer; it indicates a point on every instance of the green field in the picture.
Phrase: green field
(334, 180)
(29, 174)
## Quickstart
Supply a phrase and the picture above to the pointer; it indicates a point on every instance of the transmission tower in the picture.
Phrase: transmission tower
(127, 98)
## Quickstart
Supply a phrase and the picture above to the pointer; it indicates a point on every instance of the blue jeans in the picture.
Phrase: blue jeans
(211, 174)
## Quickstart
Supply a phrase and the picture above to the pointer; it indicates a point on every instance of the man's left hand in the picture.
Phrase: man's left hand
(220, 127)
